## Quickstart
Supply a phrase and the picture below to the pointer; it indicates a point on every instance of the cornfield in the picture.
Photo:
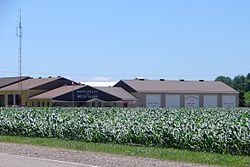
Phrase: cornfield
(205, 129)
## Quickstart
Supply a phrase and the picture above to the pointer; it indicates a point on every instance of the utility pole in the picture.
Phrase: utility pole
(20, 35)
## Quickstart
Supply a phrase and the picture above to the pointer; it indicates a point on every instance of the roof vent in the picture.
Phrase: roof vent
(162, 79)
(58, 76)
(39, 77)
(140, 78)
(50, 76)
(182, 80)
(201, 80)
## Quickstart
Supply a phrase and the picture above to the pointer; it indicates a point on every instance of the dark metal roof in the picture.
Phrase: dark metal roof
(169, 86)
(115, 91)
(57, 92)
(30, 83)
(6, 81)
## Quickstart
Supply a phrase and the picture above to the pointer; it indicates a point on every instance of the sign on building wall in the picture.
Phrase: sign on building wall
(87, 94)
(210, 101)
(192, 101)
(172, 101)
(153, 101)
(228, 101)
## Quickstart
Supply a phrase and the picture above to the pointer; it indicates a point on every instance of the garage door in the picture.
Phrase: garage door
(210, 101)
(192, 101)
(153, 101)
(228, 101)
(172, 101)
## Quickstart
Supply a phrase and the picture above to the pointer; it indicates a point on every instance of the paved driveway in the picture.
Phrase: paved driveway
(10, 160)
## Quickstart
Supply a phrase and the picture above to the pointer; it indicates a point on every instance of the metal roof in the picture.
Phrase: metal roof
(118, 92)
(6, 81)
(170, 86)
(115, 91)
(30, 83)
(57, 92)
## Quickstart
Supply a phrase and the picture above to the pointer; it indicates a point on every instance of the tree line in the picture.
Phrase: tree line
(240, 83)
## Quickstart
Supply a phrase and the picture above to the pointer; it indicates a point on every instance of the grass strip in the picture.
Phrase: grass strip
(149, 152)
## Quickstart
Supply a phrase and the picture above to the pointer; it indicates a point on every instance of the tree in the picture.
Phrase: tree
(248, 76)
(239, 83)
(226, 80)
(247, 98)
(247, 82)
(242, 102)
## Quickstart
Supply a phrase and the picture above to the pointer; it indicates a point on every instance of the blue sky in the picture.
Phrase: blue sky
(111, 40)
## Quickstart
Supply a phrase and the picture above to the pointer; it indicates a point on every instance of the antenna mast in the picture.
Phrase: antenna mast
(20, 35)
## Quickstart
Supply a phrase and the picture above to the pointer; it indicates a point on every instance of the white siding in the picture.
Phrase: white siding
(192, 101)
(172, 101)
(210, 101)
(228, 101)
(153, 101)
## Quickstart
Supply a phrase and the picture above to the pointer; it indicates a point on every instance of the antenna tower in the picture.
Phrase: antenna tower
(20, 35)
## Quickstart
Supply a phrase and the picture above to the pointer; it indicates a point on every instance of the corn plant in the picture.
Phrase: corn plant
(204, 129)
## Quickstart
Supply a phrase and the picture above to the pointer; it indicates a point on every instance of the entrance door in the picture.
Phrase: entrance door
(99, 104)
(125, 104)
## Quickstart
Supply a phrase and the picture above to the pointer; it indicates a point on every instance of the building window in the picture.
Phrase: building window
(93, 104)
(42, 104)
(18, 100)
(114, 104)
(32, 104)
(2, 101)
(99, 104)
(10, 100)
(38, 104)
(48, 104)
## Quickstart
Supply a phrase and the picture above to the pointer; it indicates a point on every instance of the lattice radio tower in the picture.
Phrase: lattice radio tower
(20, 35)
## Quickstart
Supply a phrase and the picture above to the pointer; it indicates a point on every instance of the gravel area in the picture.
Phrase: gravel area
(97, 159)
